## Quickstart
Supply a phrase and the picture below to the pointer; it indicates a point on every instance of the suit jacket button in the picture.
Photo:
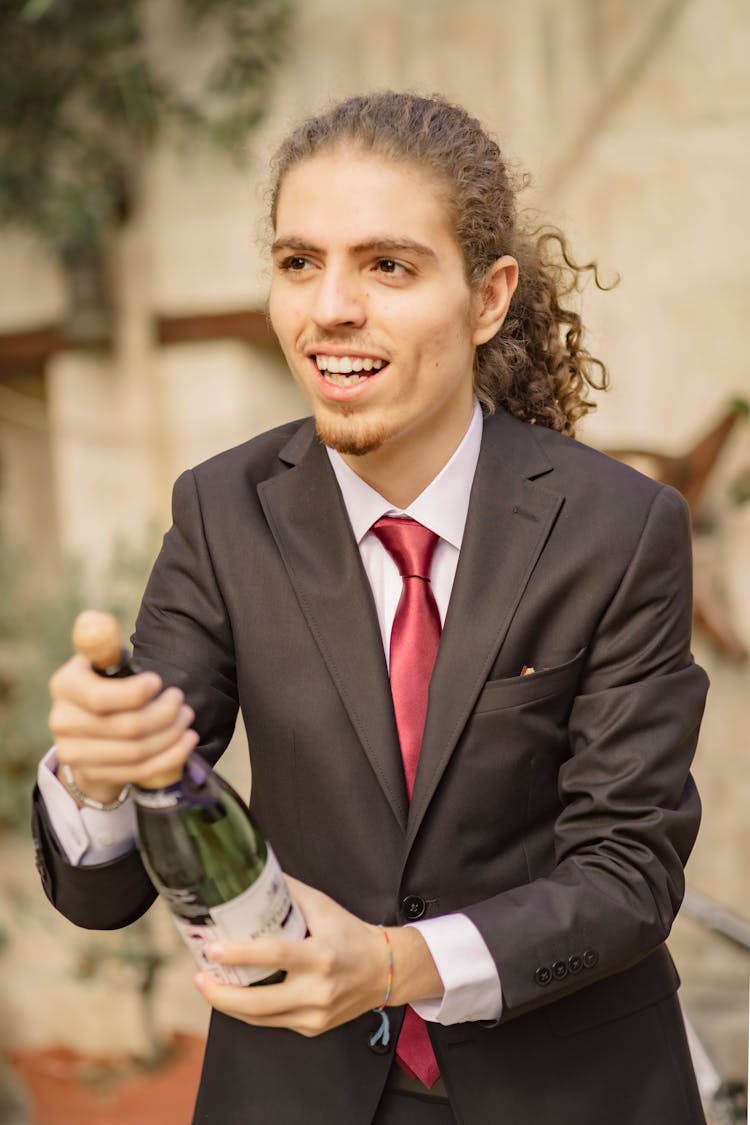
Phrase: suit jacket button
(413, 907)
(543, 975)
(575, 964)
(590, 958)
(559, 970)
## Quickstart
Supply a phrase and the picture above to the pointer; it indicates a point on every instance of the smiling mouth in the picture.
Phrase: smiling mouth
(346, 370)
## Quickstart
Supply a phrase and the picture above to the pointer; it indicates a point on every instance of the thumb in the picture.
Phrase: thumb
(314, 905)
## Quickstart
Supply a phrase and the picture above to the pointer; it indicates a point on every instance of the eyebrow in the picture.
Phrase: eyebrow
(383, 244)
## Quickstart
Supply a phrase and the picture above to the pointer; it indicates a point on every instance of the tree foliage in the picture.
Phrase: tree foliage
(84, 91)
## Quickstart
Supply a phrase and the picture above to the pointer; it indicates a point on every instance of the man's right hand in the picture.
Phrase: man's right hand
(111, 732)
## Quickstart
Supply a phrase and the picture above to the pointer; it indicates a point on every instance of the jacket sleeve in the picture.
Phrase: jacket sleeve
(183, 633)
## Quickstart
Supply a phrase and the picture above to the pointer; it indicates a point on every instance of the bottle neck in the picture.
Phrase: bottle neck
(160, 780)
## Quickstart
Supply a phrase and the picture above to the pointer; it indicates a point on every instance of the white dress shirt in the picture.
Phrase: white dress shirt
(466, 968)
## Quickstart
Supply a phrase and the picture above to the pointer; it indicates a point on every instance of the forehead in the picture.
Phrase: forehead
(347, 195)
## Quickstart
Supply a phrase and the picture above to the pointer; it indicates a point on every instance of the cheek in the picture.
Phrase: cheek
(286, 318)
(284, 299)
(448, 346)
(432, 334)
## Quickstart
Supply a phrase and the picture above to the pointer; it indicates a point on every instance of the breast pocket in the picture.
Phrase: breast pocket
(518, 691)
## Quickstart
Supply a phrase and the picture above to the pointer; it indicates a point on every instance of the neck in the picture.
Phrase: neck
(404, 465)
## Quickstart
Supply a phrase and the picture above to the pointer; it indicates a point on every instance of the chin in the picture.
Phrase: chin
(350, 436)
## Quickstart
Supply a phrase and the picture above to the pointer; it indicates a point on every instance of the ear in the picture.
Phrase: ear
(493, 298)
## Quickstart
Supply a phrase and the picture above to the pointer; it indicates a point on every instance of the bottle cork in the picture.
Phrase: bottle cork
(97, 637)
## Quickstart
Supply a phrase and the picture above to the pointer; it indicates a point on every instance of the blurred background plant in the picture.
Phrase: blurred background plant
(34, 640)
(139, 951)
(82, 98)
(84, 94)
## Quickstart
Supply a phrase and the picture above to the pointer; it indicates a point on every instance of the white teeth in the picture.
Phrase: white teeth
(346, 364)
(339, 380)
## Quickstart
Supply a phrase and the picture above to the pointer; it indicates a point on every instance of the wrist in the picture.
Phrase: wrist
(100, 795)
(415, 975)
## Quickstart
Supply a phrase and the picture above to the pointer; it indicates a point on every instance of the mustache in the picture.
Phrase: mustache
(356, 343)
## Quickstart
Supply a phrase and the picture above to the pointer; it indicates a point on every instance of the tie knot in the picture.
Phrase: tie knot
(410, 545)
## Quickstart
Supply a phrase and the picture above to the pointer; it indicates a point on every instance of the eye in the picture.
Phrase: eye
(295, 263)
(390, 267)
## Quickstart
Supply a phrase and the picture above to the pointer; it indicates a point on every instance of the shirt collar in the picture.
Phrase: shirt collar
(442, 506)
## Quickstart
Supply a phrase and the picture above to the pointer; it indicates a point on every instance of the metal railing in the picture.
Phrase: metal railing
(725, 1100)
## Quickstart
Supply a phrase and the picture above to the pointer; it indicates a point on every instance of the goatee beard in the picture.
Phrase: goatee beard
(346, 435)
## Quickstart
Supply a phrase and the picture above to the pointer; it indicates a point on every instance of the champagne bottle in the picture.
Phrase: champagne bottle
(202, 851)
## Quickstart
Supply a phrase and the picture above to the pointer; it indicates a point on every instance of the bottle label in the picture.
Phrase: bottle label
(264, 909)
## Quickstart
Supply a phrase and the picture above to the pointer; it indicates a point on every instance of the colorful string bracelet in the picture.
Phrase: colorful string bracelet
(381, 1037)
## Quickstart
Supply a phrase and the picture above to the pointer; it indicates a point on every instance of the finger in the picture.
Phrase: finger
(154, 723)
(79, 750)
(168, 761)
(77, 682)
(310, 967)
(260, 1005)
(308, 899)
(267, 952)
(274, 1005)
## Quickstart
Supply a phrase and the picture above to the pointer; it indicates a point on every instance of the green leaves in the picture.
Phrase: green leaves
(84, 91)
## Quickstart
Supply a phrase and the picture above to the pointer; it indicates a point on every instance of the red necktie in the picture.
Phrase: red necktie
(414, 643)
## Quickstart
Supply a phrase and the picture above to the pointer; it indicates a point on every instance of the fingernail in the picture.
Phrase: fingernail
(215, 951)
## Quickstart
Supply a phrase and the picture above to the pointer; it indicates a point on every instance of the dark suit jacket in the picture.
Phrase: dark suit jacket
(555, 809)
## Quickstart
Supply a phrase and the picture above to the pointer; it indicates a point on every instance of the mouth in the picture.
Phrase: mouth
(347, 370)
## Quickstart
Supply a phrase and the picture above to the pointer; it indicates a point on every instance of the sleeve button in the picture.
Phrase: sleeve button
(590, 958)
(575, 963)
(543, 975)
(559, 970)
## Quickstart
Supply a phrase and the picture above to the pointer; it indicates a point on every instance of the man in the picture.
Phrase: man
(533, 816)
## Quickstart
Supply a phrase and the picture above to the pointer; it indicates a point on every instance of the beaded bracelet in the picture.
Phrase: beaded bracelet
(381, 1037)
(89, 802)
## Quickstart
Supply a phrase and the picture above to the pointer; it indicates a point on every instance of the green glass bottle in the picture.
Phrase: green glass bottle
(213, 867)
(205, 856)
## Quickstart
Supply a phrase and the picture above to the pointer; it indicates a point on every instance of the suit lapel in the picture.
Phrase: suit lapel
(308, 520)
(509, 519)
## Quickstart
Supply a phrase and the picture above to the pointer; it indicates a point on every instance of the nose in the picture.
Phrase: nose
(339, 299)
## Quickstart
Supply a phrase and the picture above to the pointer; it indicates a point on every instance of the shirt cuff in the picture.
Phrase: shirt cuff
(86, 836)
(467, 970)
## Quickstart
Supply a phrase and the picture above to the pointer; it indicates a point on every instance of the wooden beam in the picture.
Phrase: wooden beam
(25, 352)
(250, 326)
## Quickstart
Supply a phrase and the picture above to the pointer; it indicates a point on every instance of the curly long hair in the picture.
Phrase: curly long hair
(536, 366)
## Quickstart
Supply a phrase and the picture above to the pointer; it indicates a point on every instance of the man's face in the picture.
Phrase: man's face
(371, 305)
